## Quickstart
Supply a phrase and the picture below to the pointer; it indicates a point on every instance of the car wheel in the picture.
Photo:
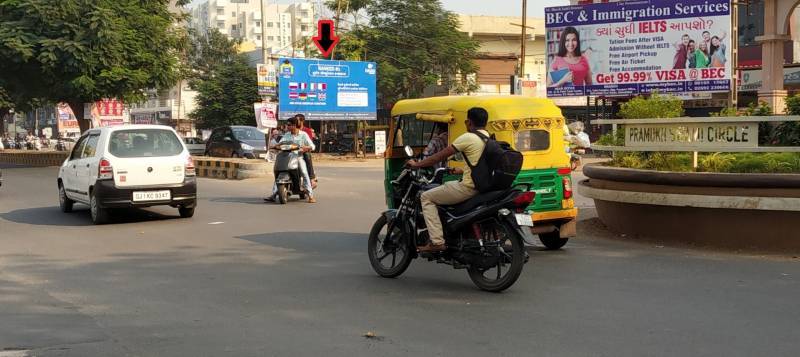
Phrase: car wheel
(99, 214)
(63, 201)
(186, 212)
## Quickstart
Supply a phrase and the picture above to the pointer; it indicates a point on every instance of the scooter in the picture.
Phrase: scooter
(288, 174)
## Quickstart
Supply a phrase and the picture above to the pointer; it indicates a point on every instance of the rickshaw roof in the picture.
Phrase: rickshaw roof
(500, 107)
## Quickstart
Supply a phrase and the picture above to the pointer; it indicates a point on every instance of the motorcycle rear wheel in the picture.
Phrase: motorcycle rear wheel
(513, 248)
(376, 250)
(283, 194)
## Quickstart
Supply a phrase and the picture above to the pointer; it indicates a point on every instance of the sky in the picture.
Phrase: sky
(486, 7)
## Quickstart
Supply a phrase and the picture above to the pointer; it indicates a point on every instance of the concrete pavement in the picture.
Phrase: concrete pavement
(244, 278)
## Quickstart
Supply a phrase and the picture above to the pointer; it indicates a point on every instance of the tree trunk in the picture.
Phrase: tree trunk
(3, 113)
(77, 109)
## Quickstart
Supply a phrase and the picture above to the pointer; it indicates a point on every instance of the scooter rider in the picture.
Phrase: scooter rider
(451, 193)
(301, 139)
(307, 155)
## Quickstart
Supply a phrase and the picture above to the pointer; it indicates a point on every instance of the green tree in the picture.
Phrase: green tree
(416, 43)
(206, 52)
(80, 51)
(227, 96)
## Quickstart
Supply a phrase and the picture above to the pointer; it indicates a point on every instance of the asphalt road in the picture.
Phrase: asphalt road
(244, 278)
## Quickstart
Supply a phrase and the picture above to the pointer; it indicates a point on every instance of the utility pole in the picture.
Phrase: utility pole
(734, 100)
(524, 38)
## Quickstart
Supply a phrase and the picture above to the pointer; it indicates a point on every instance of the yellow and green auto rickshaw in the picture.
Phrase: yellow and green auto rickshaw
(533, 126)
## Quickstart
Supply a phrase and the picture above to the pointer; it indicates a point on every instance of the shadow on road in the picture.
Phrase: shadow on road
(52, 216)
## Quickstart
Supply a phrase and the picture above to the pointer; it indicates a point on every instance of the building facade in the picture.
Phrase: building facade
(280, 26)
(499, 52)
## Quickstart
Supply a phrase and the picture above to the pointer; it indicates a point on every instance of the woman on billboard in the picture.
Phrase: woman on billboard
(718, 48)
(570, 66)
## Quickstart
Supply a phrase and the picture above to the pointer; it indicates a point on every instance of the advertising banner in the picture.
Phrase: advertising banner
(327, 90)
(267, 84)
(634, 47)
(266, 115)
(106, 112)
(67, 123)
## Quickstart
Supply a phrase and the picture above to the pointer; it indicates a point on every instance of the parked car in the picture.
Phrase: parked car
(128, 166)
(196, 146)
(237, 141)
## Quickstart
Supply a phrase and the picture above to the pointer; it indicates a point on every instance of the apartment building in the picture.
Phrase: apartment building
(282, 26)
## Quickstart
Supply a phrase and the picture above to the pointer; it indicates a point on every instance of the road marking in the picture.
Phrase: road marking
(212, 223)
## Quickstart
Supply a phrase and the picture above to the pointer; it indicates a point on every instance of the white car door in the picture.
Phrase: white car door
(69, 170)
(86, 170)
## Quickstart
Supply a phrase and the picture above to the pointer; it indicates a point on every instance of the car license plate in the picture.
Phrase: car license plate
(262, 156)
(139, 196)
(524, 220)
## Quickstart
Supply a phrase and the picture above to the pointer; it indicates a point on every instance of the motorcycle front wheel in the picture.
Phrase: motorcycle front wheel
(511, 259)
(389, 258)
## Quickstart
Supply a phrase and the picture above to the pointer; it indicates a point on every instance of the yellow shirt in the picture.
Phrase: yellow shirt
(471, 146)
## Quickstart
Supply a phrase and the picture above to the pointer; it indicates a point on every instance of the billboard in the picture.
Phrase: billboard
(635, 47)
(106, 112)
(266, 80)
(327, 90)
(67, 123)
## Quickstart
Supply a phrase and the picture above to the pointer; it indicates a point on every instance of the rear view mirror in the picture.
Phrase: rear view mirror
(409, 151)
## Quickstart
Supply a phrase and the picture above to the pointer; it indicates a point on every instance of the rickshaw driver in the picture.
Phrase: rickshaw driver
(453, 192)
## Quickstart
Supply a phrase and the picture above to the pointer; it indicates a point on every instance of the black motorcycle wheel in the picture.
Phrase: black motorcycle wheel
(512, 260)
(283, 194)
(396, 254)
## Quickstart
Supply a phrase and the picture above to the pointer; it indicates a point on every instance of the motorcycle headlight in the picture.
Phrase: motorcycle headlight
(247, 147)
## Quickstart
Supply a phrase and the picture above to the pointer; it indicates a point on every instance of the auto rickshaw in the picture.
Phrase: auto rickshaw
(533, 126)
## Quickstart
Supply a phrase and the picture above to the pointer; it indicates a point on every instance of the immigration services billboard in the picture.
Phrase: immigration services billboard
(635, 47)
(327, 90)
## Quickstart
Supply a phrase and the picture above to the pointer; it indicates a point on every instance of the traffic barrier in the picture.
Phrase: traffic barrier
(230, 169)
(33, 158)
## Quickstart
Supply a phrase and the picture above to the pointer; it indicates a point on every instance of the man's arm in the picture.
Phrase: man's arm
(309, 143)
(435, 158)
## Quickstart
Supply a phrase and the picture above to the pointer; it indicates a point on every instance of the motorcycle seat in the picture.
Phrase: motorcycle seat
(472, 203)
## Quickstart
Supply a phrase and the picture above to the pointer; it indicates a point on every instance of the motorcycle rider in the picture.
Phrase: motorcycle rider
(471, 146)
(301, 139)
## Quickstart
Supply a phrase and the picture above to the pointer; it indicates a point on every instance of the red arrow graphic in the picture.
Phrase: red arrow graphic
(326, 38)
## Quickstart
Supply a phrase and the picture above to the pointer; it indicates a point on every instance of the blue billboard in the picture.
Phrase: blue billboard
(327, 90)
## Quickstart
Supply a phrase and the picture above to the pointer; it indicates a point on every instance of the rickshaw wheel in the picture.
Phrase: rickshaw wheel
(552, 240)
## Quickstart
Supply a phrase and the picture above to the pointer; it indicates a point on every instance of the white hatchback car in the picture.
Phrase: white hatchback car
(128, 166)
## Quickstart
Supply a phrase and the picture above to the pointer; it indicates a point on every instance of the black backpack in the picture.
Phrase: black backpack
(497, 167)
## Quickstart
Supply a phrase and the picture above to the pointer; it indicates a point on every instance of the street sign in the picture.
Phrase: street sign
(327, 90)
(380, 142)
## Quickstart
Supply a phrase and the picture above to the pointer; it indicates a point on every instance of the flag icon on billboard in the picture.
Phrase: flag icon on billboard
(312, 96)
(322, 96)
(303, 86)
(303, 96)
(292, 95)
(319, 86)
(293, 85)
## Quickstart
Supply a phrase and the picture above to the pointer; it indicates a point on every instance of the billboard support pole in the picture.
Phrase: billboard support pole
(734, 99)
(522, 40)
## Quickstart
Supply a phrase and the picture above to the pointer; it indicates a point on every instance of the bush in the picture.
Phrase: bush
(714, 162)
(655, 106)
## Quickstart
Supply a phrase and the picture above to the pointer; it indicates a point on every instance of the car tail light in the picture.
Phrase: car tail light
(190, 171)
(564, 171)
(524, 199)
(104, 170)
(567, 187)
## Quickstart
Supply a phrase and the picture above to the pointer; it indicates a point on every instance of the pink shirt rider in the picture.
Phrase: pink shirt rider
(579, 70)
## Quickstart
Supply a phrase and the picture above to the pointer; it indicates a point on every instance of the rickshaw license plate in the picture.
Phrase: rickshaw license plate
(524, 220)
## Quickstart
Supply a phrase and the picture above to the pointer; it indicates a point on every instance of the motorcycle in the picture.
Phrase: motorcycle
(61, 145)
(288, 175)
(482, 234)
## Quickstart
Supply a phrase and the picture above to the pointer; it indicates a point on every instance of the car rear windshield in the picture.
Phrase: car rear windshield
(144, 143)
(248, 134)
